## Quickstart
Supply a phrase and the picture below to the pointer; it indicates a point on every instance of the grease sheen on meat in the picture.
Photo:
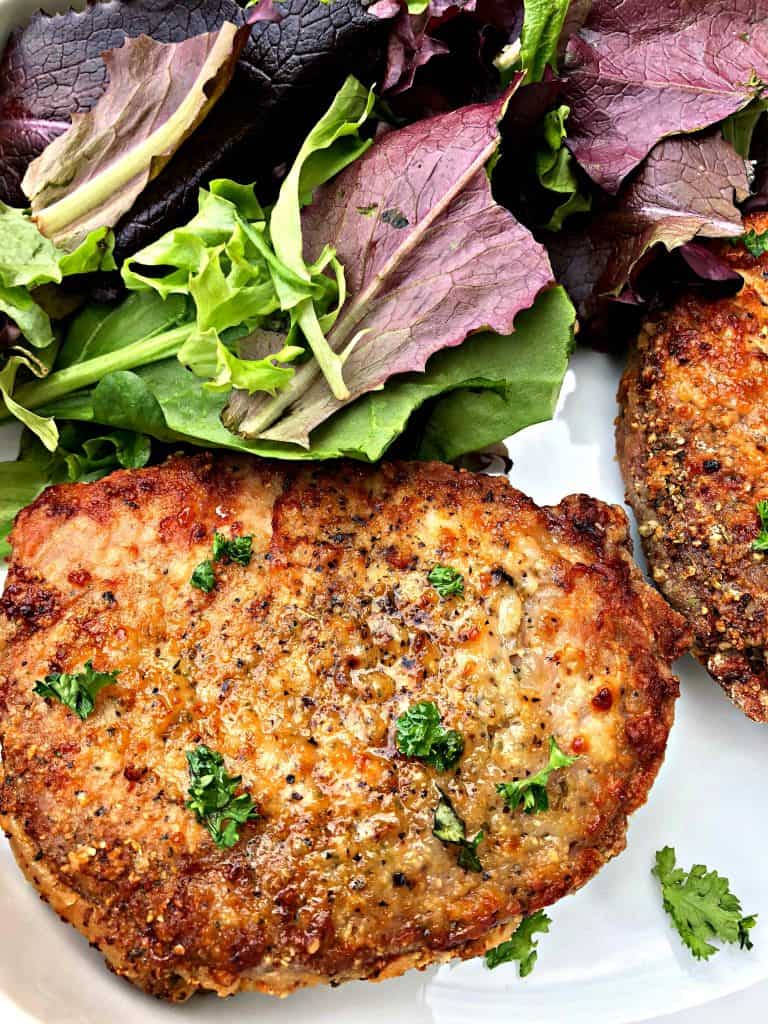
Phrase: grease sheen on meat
(693, 443)
(295, 668)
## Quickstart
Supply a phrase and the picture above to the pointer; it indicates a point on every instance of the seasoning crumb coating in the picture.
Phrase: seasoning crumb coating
(295, 669)
(692, 437)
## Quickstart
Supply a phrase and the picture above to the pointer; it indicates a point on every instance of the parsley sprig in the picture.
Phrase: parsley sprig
(701, 906)
(212, 796)
(238, 549)
(755, 244)
(521, 946)
(204, 578)
(449, 828)
(531, 793)
(760, 543)
(420, 733)
(447, 581)
(77, 690)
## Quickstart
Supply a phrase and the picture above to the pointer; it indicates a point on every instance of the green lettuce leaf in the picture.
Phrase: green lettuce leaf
(28, 260)
(338, 130)
(97, 330)
(471, 396)
(157, 95)
(540, 38)
(43, 427)
(556, 169)
(143, 329)
(243, 267)
(739, 128)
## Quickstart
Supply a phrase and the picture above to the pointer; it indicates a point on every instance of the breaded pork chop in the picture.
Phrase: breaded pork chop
(692, 440)
(294, 668)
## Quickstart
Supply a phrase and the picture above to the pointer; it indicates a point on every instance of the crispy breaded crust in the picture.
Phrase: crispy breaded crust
(692, 440)
(295, 669)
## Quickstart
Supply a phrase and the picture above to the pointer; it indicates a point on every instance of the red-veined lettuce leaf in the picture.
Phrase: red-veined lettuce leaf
(429, 256)
(287, 75)
(157, 95)
(639, 71)
(685, 189)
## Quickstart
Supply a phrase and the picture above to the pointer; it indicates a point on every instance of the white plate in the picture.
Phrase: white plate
(611, 957)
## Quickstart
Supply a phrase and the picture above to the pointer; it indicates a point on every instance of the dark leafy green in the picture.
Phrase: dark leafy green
(27, 262)
(406, 287)
(212, 796)
(76, 691)
(156, 95)
(685, 189)
(449, 828)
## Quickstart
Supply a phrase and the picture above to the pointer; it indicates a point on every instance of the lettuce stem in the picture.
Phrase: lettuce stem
(83, 375)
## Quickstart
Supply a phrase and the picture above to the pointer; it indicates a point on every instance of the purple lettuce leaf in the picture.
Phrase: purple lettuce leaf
(466, 34)
(430, 258)
(639, 72)
(410, 47)
(157, 94)
(53, 68)
(286, 77)
(684, 190)
(708, 264)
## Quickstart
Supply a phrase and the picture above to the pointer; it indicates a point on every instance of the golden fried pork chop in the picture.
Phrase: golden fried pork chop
(693, 445)
(293, 669)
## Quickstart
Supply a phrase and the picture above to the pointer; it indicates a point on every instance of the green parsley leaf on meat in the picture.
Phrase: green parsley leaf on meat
(203, 577)
(531, 793)
(760, 543)
(447, 582)
(76, 691)
(521, 946)
(212, 796)
(755, 244)
(421, 734)
(701, 906)
(448, 827)
(236, 550)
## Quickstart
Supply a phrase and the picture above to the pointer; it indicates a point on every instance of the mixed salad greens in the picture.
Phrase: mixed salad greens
(367, 242)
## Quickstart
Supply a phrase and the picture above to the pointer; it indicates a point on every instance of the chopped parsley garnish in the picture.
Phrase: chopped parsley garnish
(76, 691)
(449, 828)
(447, 582)
(420, 733)
(236, 550)
(701, 906)
(756, 244)
(212, 796)
(760, 543)
(521, 946)
(203, 577)
(531, 793)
